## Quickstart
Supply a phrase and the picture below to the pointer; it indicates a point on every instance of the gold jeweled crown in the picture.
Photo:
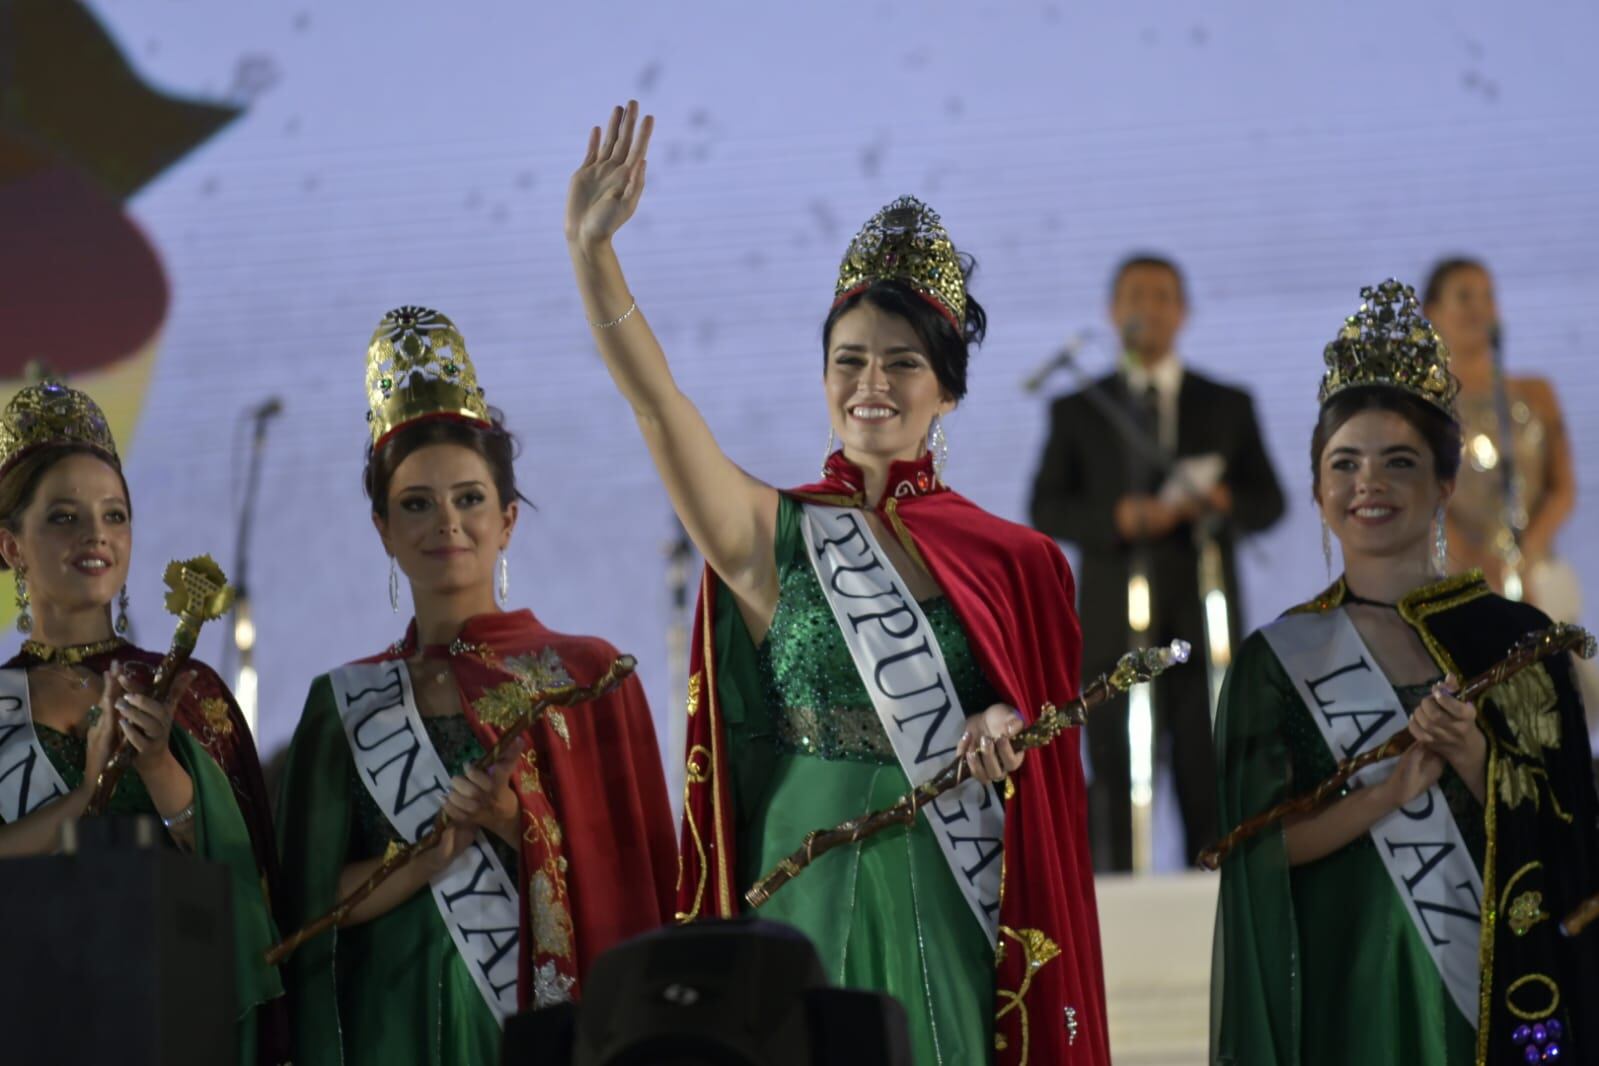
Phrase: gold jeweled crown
(906, 241)
(48, 412)
(417, 367)
(1388, 342)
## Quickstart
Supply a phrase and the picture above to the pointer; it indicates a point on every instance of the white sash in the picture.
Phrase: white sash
(394, 759)
(28, 780)
(1356, 709)
(904, 671)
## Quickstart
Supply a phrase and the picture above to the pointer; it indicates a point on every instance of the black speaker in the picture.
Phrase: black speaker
(117, 950)
(743, 992)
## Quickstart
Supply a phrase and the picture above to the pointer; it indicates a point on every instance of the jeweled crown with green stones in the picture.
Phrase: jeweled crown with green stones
(417, 367)
(906, 241)
(49, 413)
(1388, 342)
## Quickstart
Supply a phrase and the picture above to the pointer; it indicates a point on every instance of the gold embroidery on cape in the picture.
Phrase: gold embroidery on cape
(1037, 949)
(694, 693)
(1533, 1015)
(552, 925)
(504, 704)
(1525, 911)
(1530, 707)
(702, 775)
(217, 720)
(1490, 902)
(697, 775)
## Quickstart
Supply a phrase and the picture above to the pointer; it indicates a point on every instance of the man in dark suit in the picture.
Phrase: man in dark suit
(1131, 509)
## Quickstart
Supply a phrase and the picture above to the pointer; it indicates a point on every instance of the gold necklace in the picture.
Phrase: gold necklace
(70, 654)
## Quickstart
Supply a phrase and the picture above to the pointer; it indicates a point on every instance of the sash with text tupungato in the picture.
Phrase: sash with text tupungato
(479, 901)
(1013, 592)
(905, 675)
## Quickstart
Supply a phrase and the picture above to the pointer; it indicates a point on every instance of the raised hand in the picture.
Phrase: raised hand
(605, 189)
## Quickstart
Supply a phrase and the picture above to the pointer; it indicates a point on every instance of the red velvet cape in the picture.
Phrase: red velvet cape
(1014, 594)
(597, 853)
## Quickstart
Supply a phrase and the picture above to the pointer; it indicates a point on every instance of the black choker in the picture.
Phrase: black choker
(1350, 597)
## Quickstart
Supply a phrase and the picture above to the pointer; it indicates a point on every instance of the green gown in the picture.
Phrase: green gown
(220, 836)
(885, 914)
(1330, 944)
(393, 991)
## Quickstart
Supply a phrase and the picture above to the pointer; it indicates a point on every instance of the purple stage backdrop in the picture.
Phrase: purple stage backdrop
(393, 153)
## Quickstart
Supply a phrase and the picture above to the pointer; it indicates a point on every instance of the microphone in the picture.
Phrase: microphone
(1496, 338)
(1060, 360)
(267, 408)
(1131, 329)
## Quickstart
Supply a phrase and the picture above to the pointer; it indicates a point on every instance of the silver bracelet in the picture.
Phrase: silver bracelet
(179, 820)
(618, 320)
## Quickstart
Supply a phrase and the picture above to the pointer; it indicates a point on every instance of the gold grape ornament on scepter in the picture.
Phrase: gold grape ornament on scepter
(197, 592)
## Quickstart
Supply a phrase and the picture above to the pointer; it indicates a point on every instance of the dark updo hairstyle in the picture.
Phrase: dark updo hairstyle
(493, 442)
(947, 349)
(1442, 271)
(21, 481)
(1441, 432)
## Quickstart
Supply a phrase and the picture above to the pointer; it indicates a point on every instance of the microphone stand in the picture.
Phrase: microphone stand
(679, 562)
(1513, 511)
(239, 653)
(1146, 452)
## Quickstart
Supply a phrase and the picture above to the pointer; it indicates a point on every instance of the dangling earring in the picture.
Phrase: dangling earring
(122, 612)
(504, 589)
(828, 454)
(394, 586)
(1440, 544)
(24, 619)
(1326, 547)
(939, 446)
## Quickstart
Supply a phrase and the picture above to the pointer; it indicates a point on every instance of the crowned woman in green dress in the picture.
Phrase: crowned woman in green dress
(856, 635)
(547, 858)
(1414, 919)
(66, 531)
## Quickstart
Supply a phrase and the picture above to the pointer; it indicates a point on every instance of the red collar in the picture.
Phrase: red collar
(906, 478)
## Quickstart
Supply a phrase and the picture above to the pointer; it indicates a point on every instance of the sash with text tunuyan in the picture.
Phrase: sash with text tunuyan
(27, 779)
(1356, 709)
(910, 686)
(397, 763)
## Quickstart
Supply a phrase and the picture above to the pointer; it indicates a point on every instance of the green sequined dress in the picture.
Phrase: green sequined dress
(885, 914)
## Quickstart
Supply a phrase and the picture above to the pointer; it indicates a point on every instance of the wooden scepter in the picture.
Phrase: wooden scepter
(197, 592)
(539, 701)
(1580, 917)
(1134, 668)
(1532, 648)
